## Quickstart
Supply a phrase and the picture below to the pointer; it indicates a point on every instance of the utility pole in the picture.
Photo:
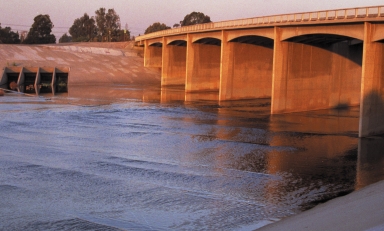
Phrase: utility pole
(125, 31)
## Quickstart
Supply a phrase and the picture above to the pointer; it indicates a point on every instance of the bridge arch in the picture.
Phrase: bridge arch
(260, 32)
(347, 47)
(209, 41)
(174, 61)
(203, 62)
(211, 35)
(322, 67)
(156, 44)
(323, 39)
(355, 31)
(247, 69)
(378, 33)
(171, 39)
(182, 43)
(254, 40)
(153, 53)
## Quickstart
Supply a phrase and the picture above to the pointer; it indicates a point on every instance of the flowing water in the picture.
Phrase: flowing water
(149, 159)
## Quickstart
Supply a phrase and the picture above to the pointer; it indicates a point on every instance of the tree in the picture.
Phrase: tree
(195, 18)
(7, 36)
(100, 22)
(156, 27)
(108, 24)
(176, 25)
(65, 39)
(40, 32)
(83, 29)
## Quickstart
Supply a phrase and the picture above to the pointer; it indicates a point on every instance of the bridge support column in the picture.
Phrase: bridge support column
(246, 71)
(310, 77)
(372, 87)
(174, 65)
(203, 66)
(152, 55)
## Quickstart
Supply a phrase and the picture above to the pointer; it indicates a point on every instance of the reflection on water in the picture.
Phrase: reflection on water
(161, 159)
(370, 161)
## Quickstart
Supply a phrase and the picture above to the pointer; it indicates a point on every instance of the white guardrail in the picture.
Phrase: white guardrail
(351, 13)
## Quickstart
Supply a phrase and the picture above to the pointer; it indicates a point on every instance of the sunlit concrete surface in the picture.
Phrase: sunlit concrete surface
(304, 61)
(89, 63)
(361, 210)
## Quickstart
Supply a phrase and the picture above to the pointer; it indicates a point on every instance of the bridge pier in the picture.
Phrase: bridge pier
(372, 88)
(174, 63)
(203, 65)
(315, 72)
(246, 69)
(152, 54)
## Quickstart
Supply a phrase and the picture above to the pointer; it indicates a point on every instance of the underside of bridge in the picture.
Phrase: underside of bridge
(203, 64)
(246, 68)
(316, 71)
(174, 63)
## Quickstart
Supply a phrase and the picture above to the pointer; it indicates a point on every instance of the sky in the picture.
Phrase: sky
(139, 14)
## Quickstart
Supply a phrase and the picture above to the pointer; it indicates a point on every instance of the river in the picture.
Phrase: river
(124, 158)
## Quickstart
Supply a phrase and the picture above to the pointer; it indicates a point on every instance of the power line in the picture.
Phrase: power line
(8, 24)
(20, 27)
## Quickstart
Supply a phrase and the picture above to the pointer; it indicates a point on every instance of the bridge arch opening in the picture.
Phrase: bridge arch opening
(323, 39)
(254, 40)
(153, 54)
(174, 63)
(209, 41)
(322, 71)
(203, 64)
(248, 74)
(157, 44)
(348, 47)
(181, 43)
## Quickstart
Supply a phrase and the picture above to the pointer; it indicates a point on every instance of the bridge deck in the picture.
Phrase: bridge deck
(350, 15)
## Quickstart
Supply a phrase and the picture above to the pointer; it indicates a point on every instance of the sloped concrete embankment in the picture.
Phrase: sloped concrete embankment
(360, 210)
(89, 65)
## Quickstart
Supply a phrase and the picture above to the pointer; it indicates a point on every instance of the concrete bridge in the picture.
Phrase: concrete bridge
(303, 61)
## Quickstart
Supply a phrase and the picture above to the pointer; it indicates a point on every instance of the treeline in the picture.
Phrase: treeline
(105, 26)
(189, 19)
(40, 33)
(8, 36)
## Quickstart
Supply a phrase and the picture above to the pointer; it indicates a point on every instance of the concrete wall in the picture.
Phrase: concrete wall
(174, 65)
(372, 87)
(308, 77)
(203, 66)
(246, 71)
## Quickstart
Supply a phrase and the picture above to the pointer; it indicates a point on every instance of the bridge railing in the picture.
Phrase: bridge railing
(327, 15)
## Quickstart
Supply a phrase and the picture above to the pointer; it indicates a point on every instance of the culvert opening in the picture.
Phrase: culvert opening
(61, 82)
(46, 82)
(12, 78)
(29, 82)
